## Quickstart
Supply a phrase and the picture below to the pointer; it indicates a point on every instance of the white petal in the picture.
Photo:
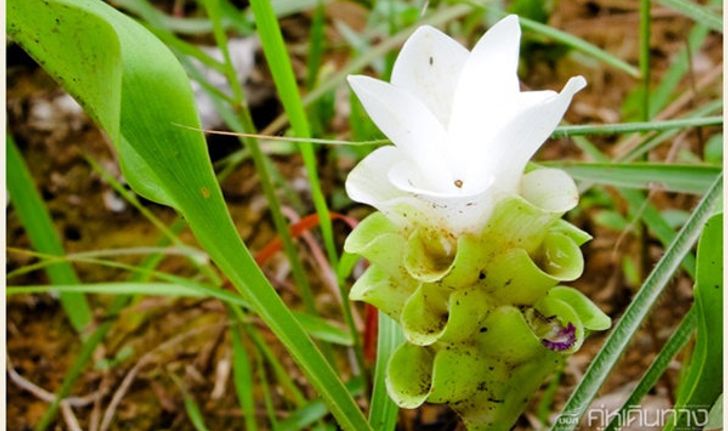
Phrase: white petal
(368, 183)
(487, 91)
(408, 123)
(463, 213)
(458, 209)
(428, 67)
(406, 177)
(519, 140)
(550, 189)
(484, 156)
(527, 99)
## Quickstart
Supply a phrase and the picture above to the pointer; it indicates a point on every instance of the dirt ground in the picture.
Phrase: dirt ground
(55, 138)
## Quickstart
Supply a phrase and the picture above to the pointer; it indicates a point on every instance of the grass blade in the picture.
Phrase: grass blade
(383, 411)
(193, 410)
(697, 12)
(318, 327)
(657, 368)
(641, 207)
(315, 410)
(569, 40)
(34, 217)
(634, 127)
(695, 179)
(653, 141)
(189, 26)
(262, 164)
(636, 311)
(436, 19)
(580, 45)
(280, 66)
(243, 378)
(99, 334)
(679, 67)
(645, 24)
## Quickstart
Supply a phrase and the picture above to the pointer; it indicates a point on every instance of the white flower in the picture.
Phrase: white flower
(462, 132)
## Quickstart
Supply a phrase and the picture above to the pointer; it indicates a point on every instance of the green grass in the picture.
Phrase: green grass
(383, 411)
(164, 158)
(261, 162)
(697, 12)
(279, 63)
(659, 365)
(643, 301)
(34, 216)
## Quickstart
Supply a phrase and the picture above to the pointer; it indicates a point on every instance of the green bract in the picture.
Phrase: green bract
(484, 315)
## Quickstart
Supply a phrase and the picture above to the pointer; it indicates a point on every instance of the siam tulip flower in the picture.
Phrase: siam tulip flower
(467, 252)
(462, 130)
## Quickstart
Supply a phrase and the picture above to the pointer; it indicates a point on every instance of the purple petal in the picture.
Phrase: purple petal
(562, 340)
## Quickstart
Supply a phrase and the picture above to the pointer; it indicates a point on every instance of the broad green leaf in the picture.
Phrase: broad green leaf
(34, 217)
(693, 179)
(133, 86)
(703, 382)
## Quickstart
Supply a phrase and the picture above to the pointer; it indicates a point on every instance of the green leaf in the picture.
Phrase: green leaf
(133, 86)
(611, 219)
(635, 126)
(34, 217)
(697, 12)
(383, 411)
(536, 10)
(658, 366)
(191, 407)
(713, 150)
(579, 44)
(280, 66)
(680, 66)
(243, 378)
(703, 381)
(693, 179)
(315, 410)
(626, 327)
